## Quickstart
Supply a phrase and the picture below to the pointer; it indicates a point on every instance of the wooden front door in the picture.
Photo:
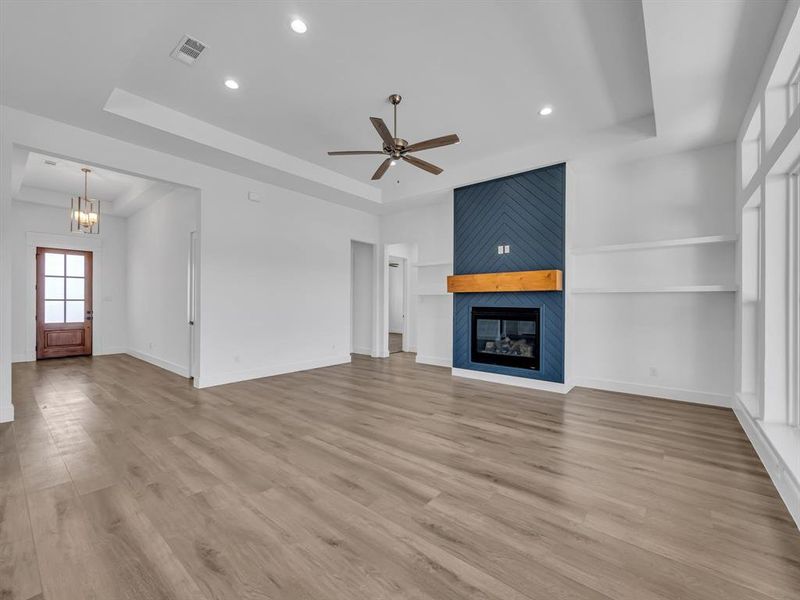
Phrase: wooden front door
(63, 303)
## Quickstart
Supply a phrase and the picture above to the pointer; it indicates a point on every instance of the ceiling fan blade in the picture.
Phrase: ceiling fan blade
(383, 131)
(424, 165)
(445, 140)
(353, 152)
(382, 169)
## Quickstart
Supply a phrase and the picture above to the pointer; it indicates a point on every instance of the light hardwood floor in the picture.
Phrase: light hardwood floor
(375, 480)
(395, 342)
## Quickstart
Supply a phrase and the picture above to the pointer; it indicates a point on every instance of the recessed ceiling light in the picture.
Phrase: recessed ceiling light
(546, 110)
(232, 84)
(298, 26)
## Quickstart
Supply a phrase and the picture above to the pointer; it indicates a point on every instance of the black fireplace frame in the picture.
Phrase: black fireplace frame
(493, 312)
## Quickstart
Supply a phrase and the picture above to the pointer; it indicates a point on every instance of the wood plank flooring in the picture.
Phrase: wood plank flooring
(395, 342)
(380, 479)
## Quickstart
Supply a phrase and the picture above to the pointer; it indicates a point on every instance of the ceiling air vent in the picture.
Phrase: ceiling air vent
(49, 162)
(188, 50)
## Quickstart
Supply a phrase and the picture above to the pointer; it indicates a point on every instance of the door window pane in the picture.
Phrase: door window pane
(75, 311)
(54, 311)
(75, 264)
(53, 263)
(75, 287)
(54, 288)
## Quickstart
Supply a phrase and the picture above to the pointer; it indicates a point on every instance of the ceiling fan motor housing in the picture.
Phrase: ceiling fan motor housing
(400, 146)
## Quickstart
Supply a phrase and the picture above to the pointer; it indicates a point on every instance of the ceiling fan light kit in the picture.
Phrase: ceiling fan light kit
(396, 148)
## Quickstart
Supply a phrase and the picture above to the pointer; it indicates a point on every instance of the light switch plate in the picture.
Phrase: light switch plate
(507, 248)
(500, 249)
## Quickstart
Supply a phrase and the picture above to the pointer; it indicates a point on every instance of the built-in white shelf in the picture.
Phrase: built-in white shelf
(694, 241)
(669, 289)
(432, 264)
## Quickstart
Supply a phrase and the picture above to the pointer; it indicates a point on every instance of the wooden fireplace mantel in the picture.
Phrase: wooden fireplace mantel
(516, 281)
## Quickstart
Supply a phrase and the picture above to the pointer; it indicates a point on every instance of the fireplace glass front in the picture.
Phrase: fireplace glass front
(506, 336)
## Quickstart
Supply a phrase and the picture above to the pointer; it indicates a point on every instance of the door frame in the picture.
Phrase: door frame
(88, 301)
(193, 302)
(68, 242)
(403, 266)
(409, 298)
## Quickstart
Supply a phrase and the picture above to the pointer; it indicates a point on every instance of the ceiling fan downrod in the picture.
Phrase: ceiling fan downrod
(395, 100)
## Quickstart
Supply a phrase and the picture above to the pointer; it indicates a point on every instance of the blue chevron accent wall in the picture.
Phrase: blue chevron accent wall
(525, 211)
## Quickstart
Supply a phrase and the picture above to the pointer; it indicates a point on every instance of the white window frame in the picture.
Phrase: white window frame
(794, 89)
(793, 407)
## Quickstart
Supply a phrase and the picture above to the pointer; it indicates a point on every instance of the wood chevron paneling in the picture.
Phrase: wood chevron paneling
(525, 211)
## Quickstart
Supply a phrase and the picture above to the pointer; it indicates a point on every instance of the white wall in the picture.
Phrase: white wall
(283, 264)
(396, 289)
(284, 259)
(672, 196)
(428, 228)
(362, 298)
(670, 344)
(36, 224)
(158, 255)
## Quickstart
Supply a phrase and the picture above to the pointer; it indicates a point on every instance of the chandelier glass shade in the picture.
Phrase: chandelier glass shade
(84, 213)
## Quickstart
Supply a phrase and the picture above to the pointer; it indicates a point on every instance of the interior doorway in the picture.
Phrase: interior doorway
(397, 303)
(362, 298)
(64, 311)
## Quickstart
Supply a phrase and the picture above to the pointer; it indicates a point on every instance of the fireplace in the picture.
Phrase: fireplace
(506, 336)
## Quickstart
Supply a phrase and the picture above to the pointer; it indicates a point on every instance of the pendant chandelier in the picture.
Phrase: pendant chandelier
(84, 214)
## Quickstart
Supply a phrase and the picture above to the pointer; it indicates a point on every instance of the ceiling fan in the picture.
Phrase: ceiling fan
(399, 149)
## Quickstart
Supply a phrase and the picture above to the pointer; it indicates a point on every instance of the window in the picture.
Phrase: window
(794, 89)
(751, 148)
(64, 287)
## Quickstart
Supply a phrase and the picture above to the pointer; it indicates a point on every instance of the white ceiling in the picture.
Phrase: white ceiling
(480, 69)
(705, 57)
(66, 178)
(120, 194)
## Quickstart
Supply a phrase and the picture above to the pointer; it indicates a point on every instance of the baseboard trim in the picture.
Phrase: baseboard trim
(656, 391)
(159, 362)
(7, 413)
(534, 384)
(362, 350)
(779, 472)
(25, 357)
(269, 371)
(112, 350)
(436, 361)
